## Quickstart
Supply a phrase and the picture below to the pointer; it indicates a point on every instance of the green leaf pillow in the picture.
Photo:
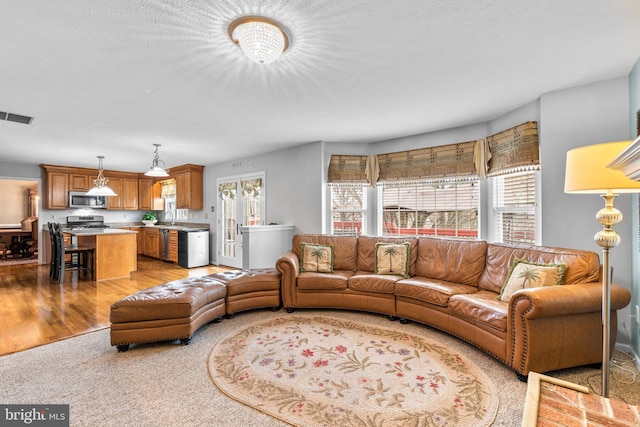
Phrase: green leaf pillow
(318, 258)
(525, 274)
(393, 258)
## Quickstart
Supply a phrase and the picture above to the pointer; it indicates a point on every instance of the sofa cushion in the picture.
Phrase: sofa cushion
(344, 248)
(314, 257)
(366, 257)
(524, 274)
(311, 280)
(455, 261)
(393, 258)
(433, 291)
(366, 282)
(582, 266)
(481, 307)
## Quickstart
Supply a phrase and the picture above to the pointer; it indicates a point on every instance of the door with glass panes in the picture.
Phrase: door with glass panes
(241, 203)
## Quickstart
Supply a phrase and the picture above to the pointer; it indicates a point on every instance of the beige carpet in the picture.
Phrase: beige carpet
(165, 384)
(315, 370)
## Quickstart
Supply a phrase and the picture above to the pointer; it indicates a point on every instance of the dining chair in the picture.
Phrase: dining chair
(81, 256)
(29, 246)
(5, 242)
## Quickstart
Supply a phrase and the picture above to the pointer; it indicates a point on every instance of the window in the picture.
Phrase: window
(445, 209)
(348, 209)
(514, 208)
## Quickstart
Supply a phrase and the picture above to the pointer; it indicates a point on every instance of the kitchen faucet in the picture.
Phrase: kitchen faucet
(172, 212)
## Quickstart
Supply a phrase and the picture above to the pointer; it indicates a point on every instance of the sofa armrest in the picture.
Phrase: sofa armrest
(552, 301)
(289, 267)
(555, 327)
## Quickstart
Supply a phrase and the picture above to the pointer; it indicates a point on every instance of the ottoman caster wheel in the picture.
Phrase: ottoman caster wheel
(403, 321)
(274, 309)
(230, 315)
(218, 320)
(122, 348)
(290, 310)
(392, 318)
(185, 341)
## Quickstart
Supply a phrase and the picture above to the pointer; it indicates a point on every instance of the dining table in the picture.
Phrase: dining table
(13, 238)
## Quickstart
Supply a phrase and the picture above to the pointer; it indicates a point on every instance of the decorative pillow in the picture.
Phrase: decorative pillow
(393, 258)
(318, 258)
(525, 274)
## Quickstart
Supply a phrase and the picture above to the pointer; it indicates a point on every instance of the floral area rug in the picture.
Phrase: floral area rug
(320, 371)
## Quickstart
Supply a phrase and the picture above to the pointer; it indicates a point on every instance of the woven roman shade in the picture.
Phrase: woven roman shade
(514, 150)
(352, 170)
(453, 161)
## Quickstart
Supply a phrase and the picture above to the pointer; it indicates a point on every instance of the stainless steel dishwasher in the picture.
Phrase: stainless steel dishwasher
(163, 245)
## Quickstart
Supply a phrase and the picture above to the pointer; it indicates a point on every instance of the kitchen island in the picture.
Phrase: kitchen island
(116, 252)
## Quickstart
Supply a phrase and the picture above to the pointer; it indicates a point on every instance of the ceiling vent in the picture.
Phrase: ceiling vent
(10, 117)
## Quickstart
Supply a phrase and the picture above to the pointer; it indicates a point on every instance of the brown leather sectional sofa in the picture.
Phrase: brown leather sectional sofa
(452, 285)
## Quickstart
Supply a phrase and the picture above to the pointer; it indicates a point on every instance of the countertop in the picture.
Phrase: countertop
(98, 232)
(179, 226)
(176, 227)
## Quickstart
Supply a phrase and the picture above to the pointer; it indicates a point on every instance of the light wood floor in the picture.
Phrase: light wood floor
(35, 310)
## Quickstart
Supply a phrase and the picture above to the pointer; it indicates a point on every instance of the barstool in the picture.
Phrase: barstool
(53, 256)
(82, 256)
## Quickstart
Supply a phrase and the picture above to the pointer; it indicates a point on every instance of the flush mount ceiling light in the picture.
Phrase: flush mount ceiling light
(100, 187)
(156, 169)
(262, 39)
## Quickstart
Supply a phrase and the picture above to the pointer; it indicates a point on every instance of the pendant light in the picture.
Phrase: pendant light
(100, 187)
(156, 169)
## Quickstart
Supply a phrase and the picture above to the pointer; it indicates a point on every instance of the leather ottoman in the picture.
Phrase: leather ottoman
(246, 290)
(173, 310)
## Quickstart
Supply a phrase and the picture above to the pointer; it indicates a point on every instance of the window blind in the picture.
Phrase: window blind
(445, 208)
(514, 204)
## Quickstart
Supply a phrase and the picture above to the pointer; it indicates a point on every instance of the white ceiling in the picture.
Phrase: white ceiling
(113, 77)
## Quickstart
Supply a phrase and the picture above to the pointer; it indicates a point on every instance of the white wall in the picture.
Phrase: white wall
(15, 201)
(571, 118)
(294, 182)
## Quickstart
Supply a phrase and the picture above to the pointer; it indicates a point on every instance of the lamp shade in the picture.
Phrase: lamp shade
(587, 170)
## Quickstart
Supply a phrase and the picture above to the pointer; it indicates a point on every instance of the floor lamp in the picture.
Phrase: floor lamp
(587, 172)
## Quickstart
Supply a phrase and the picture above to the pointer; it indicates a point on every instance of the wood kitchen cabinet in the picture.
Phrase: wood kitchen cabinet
(80, 182)
(189, 186)
(57, 190)
(152, 242)
(135, 191)
(130, 194)
(115, 202)
(173, 245)
(139, 239)
(149, 198)
(127, 194)
(59, 180)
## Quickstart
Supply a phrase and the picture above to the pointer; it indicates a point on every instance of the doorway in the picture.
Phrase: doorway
(242, 202)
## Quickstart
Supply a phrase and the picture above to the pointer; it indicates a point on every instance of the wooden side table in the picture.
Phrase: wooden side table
(551, 401)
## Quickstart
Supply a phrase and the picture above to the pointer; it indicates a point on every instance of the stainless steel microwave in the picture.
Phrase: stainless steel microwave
(78, 199)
